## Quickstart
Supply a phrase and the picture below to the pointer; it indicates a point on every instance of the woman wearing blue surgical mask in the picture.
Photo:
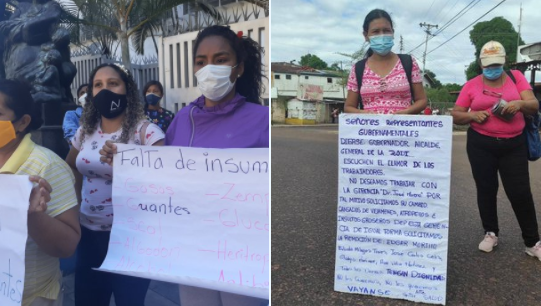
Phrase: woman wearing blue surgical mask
(384, 88)
(153, 93)
(494, 104)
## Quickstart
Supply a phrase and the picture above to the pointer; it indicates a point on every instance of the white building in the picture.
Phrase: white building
(290, 80)
(172, 65)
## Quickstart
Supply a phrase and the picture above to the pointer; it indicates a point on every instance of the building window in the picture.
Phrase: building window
(276, 76)
(306, 77)
(176, 108)
(329, 80)
(288, 76)
(250, 33)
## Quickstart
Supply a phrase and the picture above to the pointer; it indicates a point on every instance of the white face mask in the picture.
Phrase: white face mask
(213, 81)
(82, 100)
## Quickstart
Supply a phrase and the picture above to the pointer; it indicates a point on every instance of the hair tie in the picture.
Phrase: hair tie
(239, 34)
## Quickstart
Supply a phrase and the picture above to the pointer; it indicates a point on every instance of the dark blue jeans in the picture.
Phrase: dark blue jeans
(94, 288)
(488, 156)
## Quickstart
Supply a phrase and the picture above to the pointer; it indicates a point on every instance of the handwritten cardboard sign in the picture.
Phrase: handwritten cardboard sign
(393, 206)
(15, 191)
(192, 216)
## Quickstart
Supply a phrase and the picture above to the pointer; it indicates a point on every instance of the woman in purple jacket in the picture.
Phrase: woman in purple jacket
(228, 115)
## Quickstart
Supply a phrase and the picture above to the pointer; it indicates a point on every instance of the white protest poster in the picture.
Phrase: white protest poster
(192, 216)
(393, 206)
(15, 191)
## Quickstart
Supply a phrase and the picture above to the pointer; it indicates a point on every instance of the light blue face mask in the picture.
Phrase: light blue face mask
(381, 44)
(493, 73)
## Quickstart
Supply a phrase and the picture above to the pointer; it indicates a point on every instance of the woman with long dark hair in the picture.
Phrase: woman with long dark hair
(113, 112)
(228, 114)
(384, 88)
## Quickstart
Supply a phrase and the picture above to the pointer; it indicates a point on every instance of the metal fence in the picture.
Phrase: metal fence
(143, 69)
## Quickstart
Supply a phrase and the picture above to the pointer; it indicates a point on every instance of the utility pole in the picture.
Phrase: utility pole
(401, 44)
(428, 33)
(519, 26)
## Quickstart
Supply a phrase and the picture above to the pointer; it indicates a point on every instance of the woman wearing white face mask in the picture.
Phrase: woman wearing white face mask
(71, 118)
(384, 87)
(153, 93)
(227, 115)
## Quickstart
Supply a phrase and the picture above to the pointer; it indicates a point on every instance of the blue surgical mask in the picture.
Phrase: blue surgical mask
(493, 73)
(381, 44)
(153, 99)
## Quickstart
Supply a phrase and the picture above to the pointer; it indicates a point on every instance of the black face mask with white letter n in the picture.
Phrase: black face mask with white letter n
(109, 104)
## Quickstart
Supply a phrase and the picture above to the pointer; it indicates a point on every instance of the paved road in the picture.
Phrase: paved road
(304, 193)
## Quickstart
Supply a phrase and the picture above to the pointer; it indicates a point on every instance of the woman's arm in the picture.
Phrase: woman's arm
(352, 104)
(56, 236)
(462, 116)
(528, 105)
(70, 160)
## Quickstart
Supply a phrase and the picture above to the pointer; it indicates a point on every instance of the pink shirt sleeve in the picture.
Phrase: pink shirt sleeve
(464, 98)
(352, 81)
(522, 83)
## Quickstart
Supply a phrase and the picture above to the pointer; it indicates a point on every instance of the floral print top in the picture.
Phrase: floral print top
(97, 205)
(161, 117)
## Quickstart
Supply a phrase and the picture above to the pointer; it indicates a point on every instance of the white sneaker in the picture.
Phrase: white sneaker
(490, 241)
(535, 251)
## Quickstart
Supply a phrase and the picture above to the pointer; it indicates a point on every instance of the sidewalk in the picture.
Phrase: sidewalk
(159, 293)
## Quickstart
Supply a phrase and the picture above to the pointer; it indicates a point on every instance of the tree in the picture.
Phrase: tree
(498, 29)
(313, 61)
(130, 18)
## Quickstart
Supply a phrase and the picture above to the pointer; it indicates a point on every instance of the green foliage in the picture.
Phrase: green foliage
(313, 61)
(498, 29)
(439, 95)
(452, 87)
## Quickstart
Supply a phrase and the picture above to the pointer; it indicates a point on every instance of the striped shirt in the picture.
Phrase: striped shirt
(42, 276)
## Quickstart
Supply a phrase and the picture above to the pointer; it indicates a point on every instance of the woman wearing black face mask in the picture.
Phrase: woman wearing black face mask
(112, 113)
(153, 93)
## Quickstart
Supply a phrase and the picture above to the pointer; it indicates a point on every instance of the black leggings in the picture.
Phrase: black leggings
(488, 156)
(94, 288)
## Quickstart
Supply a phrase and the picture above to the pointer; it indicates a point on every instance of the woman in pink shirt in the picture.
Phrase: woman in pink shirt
(496, 144)
(385, 88)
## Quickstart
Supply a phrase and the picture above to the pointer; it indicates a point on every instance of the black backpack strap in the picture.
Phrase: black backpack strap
(407, 63)
(359, 71)
(511, 76)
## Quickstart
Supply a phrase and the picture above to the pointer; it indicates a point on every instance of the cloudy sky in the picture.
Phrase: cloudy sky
(325, 27)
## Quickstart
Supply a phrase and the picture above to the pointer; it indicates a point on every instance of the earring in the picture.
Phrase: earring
(238, 76)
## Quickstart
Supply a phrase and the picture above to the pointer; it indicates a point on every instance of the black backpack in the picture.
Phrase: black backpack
(406, 61)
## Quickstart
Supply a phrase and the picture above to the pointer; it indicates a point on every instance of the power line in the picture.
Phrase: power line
(441, 10)
(452, 20)
(463, 11)
(466, 27)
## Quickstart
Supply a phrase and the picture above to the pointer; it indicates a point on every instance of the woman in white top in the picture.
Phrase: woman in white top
(115, 113)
